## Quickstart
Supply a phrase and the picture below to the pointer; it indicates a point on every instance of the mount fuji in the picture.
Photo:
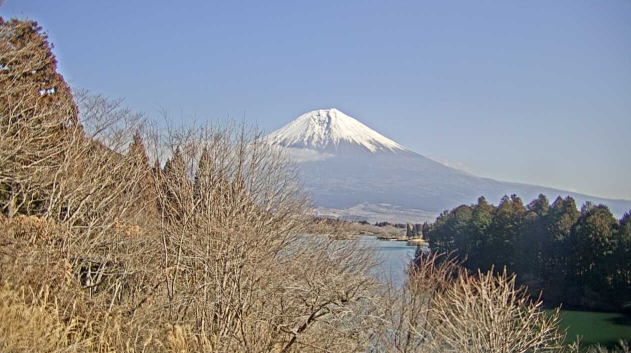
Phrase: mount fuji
(354, 172)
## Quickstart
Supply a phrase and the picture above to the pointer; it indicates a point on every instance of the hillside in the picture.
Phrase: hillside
(354, 172)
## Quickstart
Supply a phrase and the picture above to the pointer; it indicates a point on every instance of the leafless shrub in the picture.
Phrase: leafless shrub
(623, 347)
(240, 268)
(444, 308)
(485, 313)
(405, 317)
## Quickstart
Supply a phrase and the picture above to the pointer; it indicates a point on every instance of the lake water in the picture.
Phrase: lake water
(394, 257)
(594, 327)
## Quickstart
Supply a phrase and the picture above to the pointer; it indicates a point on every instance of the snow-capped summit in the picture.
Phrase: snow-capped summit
(355, 172)
(330, 130)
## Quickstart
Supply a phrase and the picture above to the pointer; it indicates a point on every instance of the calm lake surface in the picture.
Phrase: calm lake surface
(394, 257)
(595, 327)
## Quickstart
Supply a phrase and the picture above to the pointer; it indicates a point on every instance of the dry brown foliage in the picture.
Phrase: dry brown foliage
(36, 109)
(443, 308)
(212, 252)
(623, 347)
(240, 268)
(487, 313)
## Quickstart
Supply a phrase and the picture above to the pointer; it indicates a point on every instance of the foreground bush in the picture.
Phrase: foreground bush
(485, 313)
(623, 347)
(444, 308)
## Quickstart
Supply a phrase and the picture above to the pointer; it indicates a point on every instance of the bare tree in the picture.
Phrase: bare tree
(239, 264)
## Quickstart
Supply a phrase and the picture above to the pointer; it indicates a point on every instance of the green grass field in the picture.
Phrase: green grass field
(596, 327)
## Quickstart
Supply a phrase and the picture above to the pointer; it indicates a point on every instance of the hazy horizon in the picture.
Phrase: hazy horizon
(535, 93)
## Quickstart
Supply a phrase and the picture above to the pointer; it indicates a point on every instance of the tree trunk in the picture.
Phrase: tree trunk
(11, 209)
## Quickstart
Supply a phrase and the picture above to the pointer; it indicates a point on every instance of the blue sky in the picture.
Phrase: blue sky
(528, 91)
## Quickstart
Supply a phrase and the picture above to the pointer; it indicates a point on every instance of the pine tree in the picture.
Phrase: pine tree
(146, 187)
(620, 265)
(558, 245)
(138, 153)
(203, 184)
(530, 245)
(540, 206)
(437, 236)
(595, 243)
(37, 112)
(505, 231)
(29, 73)
(177, 189)
(481, 220)
(451, 233)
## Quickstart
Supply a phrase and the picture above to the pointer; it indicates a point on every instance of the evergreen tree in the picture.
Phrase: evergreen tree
(540, 206)
(138, 152)
(459, 226)
(450, 232)
(29, 72)
(204, 175)
(37, 113)
(505, 231)
(551, 247)
(177, 188)
(418, 230)
(437, 236)
(595, 244)
(621, 262)
(481, 220)
(147, 186)
(425, 228)
(530, 245)
(557, 245)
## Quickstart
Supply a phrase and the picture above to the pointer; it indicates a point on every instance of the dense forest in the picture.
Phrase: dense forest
(578, 258)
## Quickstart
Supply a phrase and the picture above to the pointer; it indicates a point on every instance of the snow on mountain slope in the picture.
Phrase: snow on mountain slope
(352, 171)
(330, 130)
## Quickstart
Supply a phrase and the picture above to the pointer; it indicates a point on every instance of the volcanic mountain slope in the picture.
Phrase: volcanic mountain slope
(354, 172)
(330, 130)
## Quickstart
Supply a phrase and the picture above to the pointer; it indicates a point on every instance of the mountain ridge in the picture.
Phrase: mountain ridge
(353, 169)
